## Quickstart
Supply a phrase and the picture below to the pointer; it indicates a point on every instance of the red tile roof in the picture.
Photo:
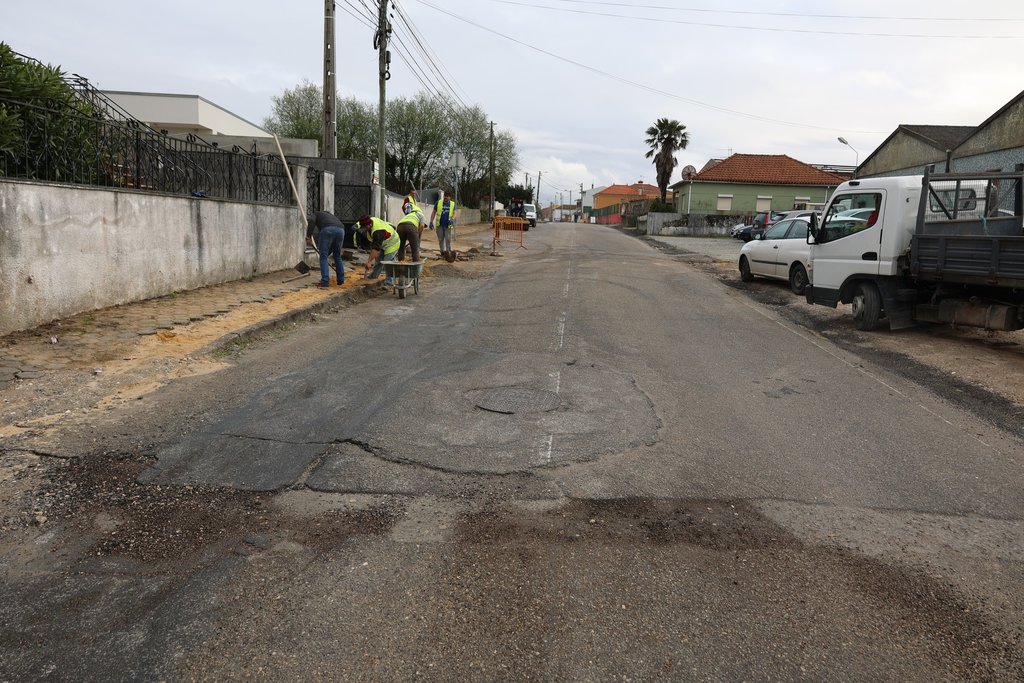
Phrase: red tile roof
(766, 169)
(631, 190)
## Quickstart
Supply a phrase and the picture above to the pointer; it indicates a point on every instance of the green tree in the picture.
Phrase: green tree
(298, 113)
(472, 140)
(665, 138)
(47, 132)
(418, 139)
(505, 193)
(421, 134)
(357, 130)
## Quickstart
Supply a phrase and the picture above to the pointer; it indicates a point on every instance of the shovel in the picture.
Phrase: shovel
(303, 268)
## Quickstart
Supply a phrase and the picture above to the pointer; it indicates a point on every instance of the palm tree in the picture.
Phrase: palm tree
(665, 138)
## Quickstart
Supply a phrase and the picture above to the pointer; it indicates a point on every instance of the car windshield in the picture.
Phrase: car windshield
(529, 207)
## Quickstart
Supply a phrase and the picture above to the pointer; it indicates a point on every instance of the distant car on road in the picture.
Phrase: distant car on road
(781, 253)
(742, 232)
(764, 220)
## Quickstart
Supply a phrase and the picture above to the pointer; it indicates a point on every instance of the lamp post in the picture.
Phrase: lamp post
(855, 152)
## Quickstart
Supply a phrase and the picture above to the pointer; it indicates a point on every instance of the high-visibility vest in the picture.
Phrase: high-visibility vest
(410, 200)
(391, 240)
(439, 210)
(414, 217)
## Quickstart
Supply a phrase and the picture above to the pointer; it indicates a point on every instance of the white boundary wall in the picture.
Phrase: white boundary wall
(66, 249)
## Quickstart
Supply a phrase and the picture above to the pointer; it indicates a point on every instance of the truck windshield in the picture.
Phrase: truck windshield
(848, 214)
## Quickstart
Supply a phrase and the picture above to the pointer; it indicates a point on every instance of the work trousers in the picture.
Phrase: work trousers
(445, 235)
(408, 235)
(329, 243)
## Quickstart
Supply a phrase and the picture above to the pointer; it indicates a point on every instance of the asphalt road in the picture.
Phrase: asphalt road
(596, 464)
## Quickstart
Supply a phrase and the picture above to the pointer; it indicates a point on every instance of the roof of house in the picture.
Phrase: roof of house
(766, 169)
(940, 137)
(630, 189)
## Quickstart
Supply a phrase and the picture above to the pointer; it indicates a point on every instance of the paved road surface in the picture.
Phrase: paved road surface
(597, 464)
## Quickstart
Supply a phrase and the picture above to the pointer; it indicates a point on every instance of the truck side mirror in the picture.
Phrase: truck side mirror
(812, 229)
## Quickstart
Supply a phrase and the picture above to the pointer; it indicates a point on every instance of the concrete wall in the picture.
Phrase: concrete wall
(64, 250)
(677, 225)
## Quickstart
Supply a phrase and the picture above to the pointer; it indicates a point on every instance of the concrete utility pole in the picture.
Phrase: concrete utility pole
(538, 186)
(383, 32)
(492, 171)
(330, 150)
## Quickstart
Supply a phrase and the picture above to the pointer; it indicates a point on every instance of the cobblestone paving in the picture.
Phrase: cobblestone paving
(95, 336)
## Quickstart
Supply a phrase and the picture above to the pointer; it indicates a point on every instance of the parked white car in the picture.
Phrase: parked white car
(781, 253)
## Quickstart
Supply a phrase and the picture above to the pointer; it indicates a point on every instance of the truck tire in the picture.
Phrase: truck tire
(867, 306)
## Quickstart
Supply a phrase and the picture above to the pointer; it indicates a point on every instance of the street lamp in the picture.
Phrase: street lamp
(855, 152)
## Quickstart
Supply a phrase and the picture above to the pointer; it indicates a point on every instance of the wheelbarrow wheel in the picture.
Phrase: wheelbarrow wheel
(416, 285)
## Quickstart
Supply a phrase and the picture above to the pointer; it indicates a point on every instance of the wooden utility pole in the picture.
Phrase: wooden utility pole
(539, 173)
(330, 149)
(383, 33)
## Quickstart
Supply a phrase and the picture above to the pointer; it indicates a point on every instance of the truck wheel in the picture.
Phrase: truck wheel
(797, 278)
(867, 306)
(745, 273)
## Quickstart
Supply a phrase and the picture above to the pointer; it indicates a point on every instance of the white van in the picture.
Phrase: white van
(530, 214)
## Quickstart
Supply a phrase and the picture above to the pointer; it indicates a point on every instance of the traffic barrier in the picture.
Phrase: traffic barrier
(510, 230)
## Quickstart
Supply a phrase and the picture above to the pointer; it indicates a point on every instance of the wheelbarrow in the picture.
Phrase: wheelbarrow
(404, 275)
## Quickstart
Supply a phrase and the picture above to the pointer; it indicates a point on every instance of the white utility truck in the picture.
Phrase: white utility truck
(942, 247)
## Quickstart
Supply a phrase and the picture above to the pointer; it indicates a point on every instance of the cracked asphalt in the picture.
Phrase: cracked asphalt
(683, 485)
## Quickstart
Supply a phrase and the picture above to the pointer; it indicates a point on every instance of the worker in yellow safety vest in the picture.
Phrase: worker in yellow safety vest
(410, 200)
(409, 229)
(444, 213)
(384, 243)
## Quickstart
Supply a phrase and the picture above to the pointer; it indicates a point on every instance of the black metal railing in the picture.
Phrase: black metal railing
(90, 146)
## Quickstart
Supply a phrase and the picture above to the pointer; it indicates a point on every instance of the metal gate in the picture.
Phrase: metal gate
(352, 201)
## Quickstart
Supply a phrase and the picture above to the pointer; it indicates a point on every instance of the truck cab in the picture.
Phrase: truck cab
(931, 248)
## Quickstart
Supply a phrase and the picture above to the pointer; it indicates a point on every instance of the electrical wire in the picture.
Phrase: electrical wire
(768, 29)
(424, 47)
(801, 15)
(642, 86)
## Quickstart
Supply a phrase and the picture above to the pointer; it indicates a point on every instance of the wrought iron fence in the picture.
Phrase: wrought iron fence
(351, 201)
(312, 191)
(41, 143)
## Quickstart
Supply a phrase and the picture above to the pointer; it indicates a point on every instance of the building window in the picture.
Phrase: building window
(764, 203)
(724, 202)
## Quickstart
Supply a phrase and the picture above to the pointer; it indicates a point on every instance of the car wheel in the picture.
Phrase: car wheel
(745, 273)
(797, 278)
(867, 306)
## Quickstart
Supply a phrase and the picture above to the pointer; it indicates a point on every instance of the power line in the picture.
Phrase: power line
(429, 53)
(783, 14)
(352, 11)
(642, 86)
(769, 29)
(430, 64)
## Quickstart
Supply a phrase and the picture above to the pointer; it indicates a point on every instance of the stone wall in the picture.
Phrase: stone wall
(68, 249)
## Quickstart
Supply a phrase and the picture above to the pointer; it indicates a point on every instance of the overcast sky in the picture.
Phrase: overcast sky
(577, 81)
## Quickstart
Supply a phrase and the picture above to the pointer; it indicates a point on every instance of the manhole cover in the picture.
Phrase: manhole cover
(515, 400)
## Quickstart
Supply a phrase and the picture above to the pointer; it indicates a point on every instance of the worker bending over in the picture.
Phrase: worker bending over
(329, 233)
(444, 213)
(409, 233)
(384, 243)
